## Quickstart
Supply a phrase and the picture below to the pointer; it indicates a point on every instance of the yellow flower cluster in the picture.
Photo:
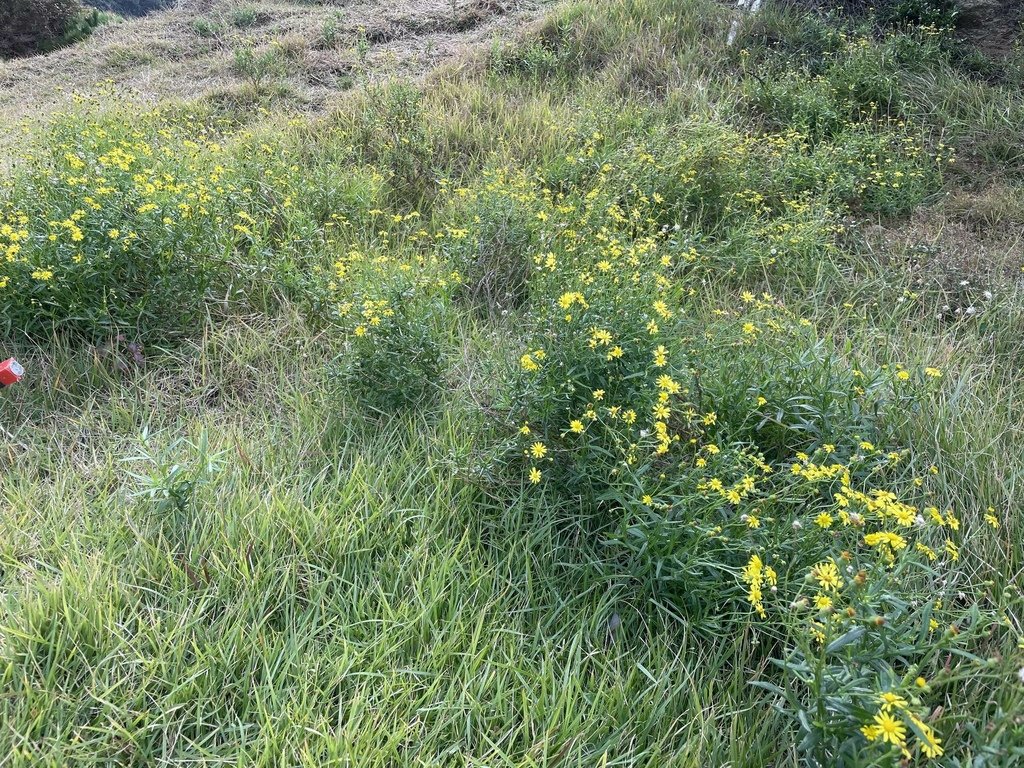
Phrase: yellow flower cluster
(889, 726)
(757, 575)
(103, 213)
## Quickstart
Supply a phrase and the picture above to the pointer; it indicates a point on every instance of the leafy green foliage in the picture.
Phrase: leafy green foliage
(258, 66)
(396, 365)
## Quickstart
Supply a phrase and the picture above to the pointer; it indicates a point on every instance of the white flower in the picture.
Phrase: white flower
(1020, 674)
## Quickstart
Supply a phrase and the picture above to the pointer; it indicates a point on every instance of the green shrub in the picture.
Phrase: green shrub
(117, 225)
(902, 13)
(855, 83)
(245, 16)
(390, 133)
(330, 32)
(803, 39)
(529, 61)
(259, 66)
(736, 463)
(91, 250)
(807, 392)
(493, 247)
(739, 468)
(395, 359)
(34, 26)
(206, 28)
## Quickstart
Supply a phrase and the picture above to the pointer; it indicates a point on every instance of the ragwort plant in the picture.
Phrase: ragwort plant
(741, 467)
(613, 407)
(389, 297)
(143, 225)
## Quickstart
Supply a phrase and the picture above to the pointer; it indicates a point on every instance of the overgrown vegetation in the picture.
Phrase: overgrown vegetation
(579, 406)
(37, 26)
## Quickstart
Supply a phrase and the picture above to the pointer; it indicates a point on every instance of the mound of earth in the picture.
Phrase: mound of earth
(992, 25)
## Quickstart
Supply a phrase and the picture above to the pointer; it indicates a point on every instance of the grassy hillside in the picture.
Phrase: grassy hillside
(315, 49)
(610, 396)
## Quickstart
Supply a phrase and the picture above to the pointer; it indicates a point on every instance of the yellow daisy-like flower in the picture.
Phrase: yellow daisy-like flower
(668, 384)
(892, 701)
(890, 729)
(528, 363)
(535, 475)
(870, 732)
(576, 426)
(826, 573)
(931, 744)
(538, 450)
(885, 538)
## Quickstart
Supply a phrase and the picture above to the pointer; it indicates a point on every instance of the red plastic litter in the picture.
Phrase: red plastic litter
(11, 372)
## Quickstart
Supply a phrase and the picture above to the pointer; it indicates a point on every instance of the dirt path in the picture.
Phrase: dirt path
(188, 52)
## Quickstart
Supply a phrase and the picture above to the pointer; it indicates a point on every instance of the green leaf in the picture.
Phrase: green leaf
(845, 639)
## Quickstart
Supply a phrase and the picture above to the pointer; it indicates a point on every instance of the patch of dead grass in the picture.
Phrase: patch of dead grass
(165, 56)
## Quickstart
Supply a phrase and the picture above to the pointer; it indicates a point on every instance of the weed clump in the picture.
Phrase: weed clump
(115, 226)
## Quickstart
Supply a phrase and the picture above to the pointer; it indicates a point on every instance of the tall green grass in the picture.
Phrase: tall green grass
(240, 544)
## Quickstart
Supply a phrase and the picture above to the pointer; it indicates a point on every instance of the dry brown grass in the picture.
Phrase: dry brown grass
(187, 52)
(966, 251)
